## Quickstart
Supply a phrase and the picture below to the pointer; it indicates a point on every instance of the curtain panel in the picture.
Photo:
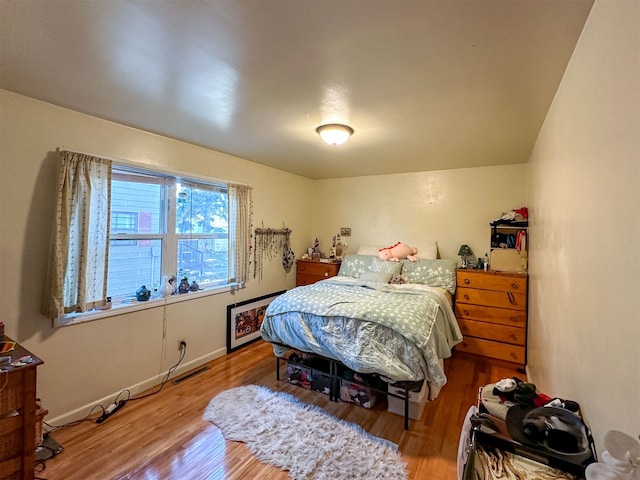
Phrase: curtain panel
(240, 213)
(79, 255)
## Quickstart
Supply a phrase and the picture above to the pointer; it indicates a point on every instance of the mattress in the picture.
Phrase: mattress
(401, 332)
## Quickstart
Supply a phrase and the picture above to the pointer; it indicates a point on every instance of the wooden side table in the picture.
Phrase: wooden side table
(18, 416)
(312, 271)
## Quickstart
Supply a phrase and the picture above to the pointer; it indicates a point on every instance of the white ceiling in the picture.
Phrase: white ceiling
(426, 85)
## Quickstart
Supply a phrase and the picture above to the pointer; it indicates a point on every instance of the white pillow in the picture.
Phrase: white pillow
(427, 249)
(368, 250)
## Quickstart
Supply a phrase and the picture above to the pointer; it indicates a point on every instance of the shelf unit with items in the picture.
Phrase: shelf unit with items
(511, 235)
(509, 246)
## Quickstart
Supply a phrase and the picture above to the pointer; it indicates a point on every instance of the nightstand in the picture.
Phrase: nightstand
(311, 271)
(491, 308)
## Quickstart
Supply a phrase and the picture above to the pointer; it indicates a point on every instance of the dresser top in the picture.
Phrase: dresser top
(474, 271)
(17, 353)
(321, 261)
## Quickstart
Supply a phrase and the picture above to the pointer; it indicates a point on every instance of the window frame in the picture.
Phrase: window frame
(169, 180)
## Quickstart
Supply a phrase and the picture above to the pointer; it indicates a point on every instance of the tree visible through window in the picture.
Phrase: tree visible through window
(202, 231)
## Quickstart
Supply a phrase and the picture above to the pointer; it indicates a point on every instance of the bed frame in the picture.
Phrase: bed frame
(334, 380)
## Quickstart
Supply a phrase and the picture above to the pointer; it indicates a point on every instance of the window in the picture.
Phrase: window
(163, 226)
(118, 228)
(202, 233)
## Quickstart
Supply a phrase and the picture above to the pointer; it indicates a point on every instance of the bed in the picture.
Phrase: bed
(399, 331)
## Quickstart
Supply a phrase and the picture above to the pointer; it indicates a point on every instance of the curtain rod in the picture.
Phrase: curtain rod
(130, 163)
(118, 160)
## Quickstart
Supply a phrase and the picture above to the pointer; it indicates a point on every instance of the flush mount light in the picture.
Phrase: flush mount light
(334, 133)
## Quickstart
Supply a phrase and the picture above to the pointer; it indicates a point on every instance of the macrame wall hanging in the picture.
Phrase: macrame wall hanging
(269, 243)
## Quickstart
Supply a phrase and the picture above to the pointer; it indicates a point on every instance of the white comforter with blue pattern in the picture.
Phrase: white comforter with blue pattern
(398, 331)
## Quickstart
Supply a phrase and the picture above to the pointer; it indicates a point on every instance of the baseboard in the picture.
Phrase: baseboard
(81, 412)
(529, 374)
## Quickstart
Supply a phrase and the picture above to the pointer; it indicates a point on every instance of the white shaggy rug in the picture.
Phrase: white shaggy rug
(303, 439)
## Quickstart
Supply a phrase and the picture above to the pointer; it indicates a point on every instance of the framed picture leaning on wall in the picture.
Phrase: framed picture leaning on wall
(244, 320)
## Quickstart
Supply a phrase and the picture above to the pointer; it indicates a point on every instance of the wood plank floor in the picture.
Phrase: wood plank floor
(163, 436)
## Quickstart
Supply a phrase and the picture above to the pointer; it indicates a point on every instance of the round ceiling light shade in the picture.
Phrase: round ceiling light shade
(334, 133)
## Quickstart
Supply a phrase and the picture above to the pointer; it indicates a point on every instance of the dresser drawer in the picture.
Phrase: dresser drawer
(501, 316)
(490, 331)
(501, 282)
(12, 468)
(302, 279)
(318, 269)
(12, 395)
(11, 437)
(489, 348)
(490, 298)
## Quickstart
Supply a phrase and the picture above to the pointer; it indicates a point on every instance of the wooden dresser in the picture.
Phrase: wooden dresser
(491, 308)
(18, 416)
(311, 271)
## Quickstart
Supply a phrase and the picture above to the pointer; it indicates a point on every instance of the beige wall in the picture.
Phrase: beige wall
(451, 207)
(584, 324)
(90, 363)
(93, 361)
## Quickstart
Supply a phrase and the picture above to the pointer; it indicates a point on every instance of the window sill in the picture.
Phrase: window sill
(135, 306)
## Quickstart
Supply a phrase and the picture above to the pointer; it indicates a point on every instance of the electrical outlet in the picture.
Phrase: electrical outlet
(182, 343)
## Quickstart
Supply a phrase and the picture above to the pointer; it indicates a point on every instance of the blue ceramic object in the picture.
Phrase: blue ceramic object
(143, 294)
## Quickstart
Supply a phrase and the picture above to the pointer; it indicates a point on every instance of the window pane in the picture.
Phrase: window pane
(136, 207)
(133, 263)
(205, 260)
(200, 210)
(124, 222)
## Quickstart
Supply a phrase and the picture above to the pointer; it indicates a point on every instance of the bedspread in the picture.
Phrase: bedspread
(398, 331)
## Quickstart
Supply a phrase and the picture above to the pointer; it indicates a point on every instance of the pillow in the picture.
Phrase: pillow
(435, 273)
(368, 250)
(385, 266)
(427, 249)
(354, 265)
(380, 277)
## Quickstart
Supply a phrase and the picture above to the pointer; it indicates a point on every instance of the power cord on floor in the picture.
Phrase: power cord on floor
(183, 351)
(53, 428)
(110, 410)
(119, 403)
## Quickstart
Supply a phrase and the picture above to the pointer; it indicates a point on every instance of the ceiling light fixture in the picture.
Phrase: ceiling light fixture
(334, 133)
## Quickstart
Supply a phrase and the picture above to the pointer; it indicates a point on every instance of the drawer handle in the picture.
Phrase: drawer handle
(466, 313)
(512, 299)
(512, 337)
(466, 297)
(514, 286)
(326, 274)
(467, 281)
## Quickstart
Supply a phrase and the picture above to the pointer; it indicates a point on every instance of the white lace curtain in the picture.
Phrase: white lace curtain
(77, 275)
(240, 211)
